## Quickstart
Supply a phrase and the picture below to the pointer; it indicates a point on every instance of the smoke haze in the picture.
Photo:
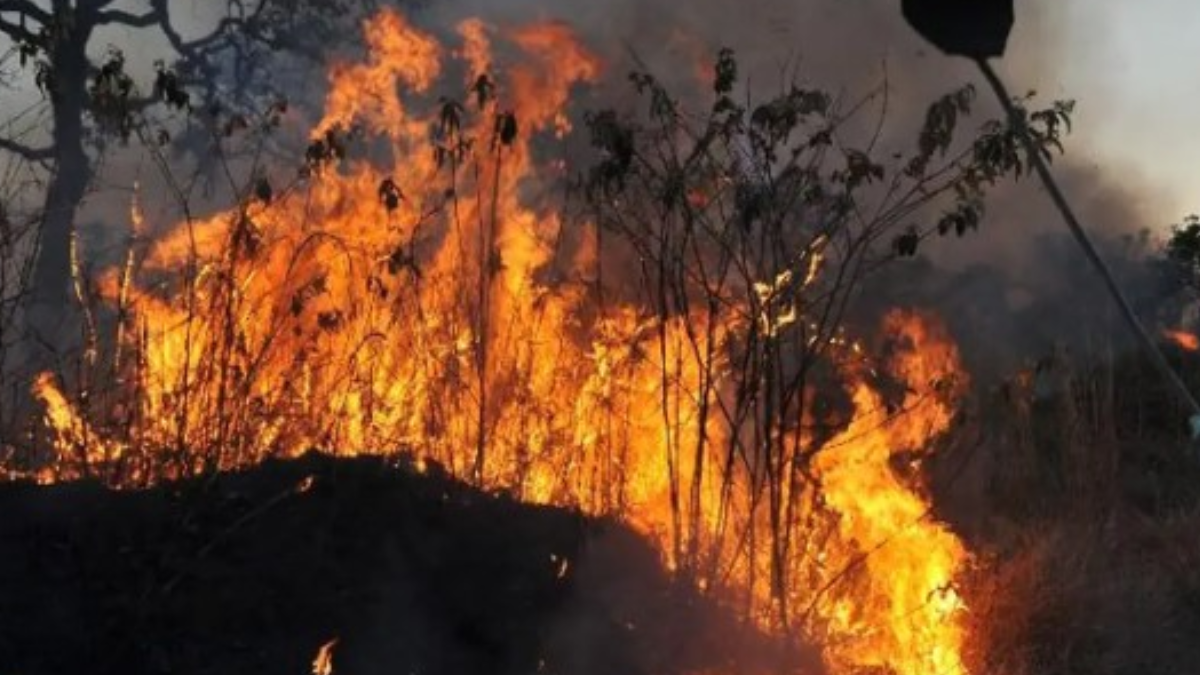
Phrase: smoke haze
(989, 283)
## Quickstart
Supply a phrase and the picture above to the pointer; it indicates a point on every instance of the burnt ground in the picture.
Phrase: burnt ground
(413, 573)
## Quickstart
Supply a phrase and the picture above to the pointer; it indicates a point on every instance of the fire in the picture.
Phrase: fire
(1184, 340)
(323, 662)
(909, 575)
(425, 301)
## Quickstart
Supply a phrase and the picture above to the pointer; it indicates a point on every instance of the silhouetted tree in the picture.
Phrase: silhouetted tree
(92, 98)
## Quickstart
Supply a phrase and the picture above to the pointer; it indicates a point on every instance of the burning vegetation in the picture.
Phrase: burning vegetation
(639, 314)
(1183, 339)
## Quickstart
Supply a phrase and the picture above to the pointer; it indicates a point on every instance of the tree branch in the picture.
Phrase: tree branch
(26, 152)
(196, 54)
(188, 49)
(26, 7)
(151, 18)
(92, 7)
(16, 31)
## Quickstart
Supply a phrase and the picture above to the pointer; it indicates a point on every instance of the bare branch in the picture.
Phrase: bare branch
(30, 154)
(16, 31)
(151, 18)
(26, 7)
(91, 8)
(190, 48)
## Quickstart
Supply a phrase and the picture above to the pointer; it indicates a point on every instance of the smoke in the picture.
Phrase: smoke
(847, 48)
(1021, 287)
(1010, 291)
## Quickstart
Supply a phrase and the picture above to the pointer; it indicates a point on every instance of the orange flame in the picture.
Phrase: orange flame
(405, 303)
(1184, 340)
(323, 662)
(909, 573)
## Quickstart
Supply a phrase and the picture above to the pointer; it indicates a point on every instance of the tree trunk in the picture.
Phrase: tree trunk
(50, 312)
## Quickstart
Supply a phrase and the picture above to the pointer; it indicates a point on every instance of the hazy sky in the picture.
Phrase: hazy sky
(1134, 67)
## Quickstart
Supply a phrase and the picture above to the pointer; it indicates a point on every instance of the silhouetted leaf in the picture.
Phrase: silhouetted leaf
(725, 72)
(482, 88)
(906, 244)
(506, 128)
(390, 195)
(262, 190)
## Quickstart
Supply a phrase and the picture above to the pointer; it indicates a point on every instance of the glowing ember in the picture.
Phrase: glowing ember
(1183, 340)
(427, 302)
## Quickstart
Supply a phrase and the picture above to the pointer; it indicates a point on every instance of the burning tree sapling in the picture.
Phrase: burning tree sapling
(754, 224)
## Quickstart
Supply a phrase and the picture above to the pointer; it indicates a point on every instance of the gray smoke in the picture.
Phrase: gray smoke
(1010, 291)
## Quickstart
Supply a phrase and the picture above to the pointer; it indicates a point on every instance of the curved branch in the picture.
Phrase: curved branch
(26, 152)
(151, 18)
(16, 31)
(188, 49)
(26, 7)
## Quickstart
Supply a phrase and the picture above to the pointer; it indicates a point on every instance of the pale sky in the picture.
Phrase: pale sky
(1134, 67)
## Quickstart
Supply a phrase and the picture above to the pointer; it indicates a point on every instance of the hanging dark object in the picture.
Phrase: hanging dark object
(976, 29)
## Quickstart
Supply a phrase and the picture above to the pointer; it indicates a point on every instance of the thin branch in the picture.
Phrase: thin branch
(188, 48)
(151, 18)
(26, 152)
(16, 31)
(26, 7)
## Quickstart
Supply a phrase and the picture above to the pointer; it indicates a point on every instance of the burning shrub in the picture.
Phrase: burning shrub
(673, 355)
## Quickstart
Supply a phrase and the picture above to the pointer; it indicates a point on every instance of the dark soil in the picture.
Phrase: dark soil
(253, 572)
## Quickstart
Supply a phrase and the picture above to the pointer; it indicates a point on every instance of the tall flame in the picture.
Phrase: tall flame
(323, 662)
(910, 560)
(418, 301)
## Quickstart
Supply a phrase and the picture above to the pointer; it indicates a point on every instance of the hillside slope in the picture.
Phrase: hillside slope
(413, 573)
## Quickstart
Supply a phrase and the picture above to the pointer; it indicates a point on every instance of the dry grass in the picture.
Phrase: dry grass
(1112, 595)
(1084, 519)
